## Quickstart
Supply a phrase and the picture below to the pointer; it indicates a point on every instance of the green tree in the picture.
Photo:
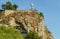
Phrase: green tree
(9, 6)
(15, 6)
(4, 6)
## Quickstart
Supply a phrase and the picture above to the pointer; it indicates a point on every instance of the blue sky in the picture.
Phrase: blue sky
(50, 9)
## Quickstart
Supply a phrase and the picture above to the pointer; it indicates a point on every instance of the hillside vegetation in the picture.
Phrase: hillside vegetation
(9, 33)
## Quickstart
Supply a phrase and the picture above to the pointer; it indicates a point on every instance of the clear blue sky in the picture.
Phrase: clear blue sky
(50, 9)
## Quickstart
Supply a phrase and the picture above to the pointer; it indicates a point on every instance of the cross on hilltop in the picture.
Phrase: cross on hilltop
(32, 6)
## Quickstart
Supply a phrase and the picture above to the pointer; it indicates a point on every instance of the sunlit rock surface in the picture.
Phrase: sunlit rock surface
(26, 21)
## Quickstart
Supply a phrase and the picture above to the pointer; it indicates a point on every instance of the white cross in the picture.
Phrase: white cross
(32, 6)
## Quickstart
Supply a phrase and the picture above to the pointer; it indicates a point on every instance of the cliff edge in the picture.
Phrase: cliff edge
(26, 21)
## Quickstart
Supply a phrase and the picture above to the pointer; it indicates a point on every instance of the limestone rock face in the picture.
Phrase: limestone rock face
(27, 20)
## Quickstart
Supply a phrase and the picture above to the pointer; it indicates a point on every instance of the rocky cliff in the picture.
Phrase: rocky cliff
(26, 21)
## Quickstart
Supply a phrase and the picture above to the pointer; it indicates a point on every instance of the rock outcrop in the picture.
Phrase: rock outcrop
(26, 21)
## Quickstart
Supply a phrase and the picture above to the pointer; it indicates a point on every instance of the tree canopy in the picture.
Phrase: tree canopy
(9, 6)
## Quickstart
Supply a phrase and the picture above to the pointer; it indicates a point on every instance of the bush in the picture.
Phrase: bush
(41, 14)
(9, 33)
(32, 35)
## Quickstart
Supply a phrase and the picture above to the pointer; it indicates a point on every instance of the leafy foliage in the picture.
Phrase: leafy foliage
(9, 6)
(41, 14)
(9, 33)
(32, 35)
(12, 33)
(15, 6)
